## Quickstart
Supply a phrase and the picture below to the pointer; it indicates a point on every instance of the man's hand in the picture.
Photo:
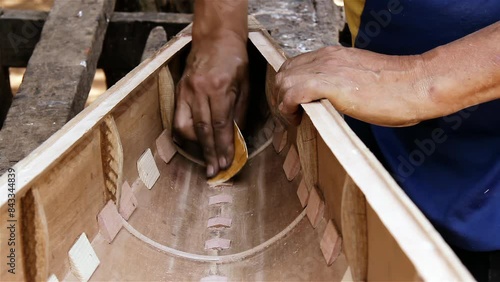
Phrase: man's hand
(376, 88)
(214, 88)
(394, 90)
(211, 94)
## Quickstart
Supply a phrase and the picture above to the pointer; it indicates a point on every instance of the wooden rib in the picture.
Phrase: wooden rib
(166, 91)
(307, 148)
(354, 230)
(34, 237)
(112, 158)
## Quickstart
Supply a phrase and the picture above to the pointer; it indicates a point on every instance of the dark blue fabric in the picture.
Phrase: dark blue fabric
(450, 166)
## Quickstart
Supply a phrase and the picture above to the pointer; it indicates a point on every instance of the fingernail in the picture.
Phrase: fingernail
(222, 162)
(210, 171)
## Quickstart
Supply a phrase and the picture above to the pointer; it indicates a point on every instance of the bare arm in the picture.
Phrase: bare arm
(395, 90)
(463, 73)
(214, 88)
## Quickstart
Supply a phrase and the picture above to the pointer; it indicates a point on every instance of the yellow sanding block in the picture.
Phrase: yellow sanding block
(239, 161)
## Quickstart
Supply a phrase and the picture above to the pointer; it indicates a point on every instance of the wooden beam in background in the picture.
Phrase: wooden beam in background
(58, 76)
(127, 32)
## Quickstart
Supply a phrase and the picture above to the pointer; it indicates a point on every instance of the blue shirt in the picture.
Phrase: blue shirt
(450, 166)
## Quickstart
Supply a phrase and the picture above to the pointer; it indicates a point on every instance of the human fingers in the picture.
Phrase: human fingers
(221, 109)
(202, 121)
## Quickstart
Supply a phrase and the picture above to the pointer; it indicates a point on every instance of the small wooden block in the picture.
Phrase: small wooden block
(279, 140)
(165, 146)
(217, 244)
(110, 221)
(315, 207)
(148, 171)
(216, 222)
(82, 258)
(331, 243)
(303, 193)
(220, 199)
(52, 278)
(292, 164)
(128, 201)
(214, 278)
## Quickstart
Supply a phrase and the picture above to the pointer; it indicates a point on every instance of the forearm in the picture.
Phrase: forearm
(220, 19)
(463, 73)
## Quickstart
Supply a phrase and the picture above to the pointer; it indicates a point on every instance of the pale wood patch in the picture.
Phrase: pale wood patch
(52, 278)
(83, 260)
(148, 171)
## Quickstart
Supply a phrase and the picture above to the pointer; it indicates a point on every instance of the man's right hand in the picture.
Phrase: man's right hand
(213, 92)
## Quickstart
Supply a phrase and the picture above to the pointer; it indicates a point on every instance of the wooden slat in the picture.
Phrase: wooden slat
(112, 159)
(58, 77)
(354, 223)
